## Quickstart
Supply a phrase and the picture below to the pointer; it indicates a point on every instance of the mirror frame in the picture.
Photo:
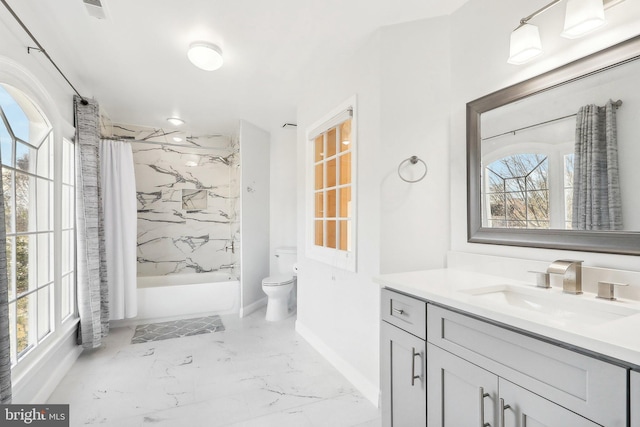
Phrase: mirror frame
(618, 242)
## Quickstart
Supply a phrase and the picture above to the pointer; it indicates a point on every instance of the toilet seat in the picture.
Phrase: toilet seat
(281, 280)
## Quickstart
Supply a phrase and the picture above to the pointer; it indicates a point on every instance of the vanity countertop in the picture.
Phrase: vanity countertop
(608, 334)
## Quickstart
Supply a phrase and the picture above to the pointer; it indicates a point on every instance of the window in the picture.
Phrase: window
(531, 189)
(518, 192)
(568, 191)
(332, 193)
(29, 185)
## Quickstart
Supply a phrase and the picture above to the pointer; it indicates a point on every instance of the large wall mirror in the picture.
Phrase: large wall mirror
(554, 161)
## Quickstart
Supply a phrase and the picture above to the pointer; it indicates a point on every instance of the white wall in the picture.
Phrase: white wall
(283, 191)
(401, 80)
(254, 215)
(415, 88)
(338, 310)
(479, 50)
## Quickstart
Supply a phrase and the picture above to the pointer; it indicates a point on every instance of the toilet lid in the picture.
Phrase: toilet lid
(277, 280)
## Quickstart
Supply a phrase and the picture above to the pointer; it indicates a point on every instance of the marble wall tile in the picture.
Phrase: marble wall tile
(188, 209)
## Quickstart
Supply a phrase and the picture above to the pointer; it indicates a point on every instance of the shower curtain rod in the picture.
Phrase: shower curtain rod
(41, 49)
(616, 104)
(141, 141)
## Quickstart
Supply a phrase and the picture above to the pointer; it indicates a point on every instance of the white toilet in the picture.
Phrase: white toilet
(278, 287)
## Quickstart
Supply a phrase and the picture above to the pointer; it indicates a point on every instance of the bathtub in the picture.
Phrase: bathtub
(187, 295)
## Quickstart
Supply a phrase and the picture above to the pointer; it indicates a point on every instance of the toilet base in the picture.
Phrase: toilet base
(277, 309)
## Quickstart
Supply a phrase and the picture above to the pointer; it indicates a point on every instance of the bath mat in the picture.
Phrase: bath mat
(177, 329)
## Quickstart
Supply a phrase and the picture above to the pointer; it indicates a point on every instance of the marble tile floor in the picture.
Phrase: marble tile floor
(253, 374)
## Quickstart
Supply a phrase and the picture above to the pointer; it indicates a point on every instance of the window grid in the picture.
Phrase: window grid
(518, 200)
(28, 186)
(332, 187)
(68, 288)
(568, 191)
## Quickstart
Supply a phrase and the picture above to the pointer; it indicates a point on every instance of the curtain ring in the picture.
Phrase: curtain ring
(413, 160)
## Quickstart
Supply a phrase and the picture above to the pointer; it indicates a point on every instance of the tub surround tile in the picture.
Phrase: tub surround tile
(254, 373)
(187, 216)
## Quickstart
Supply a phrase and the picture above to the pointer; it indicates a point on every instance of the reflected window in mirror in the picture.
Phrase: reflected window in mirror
(517, 192)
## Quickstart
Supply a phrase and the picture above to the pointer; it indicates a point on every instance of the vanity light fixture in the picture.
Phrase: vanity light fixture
(176, 121)
(206, 56)
(525, 44)
(582, 16)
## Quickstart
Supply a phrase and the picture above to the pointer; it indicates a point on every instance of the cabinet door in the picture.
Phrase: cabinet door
(635, 399)
(458, 392)
(521, 408)
(402, 361)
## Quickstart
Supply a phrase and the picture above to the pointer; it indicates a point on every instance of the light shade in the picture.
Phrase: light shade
(582, 16)
(176, 121)
(205, 56)
(525, 44)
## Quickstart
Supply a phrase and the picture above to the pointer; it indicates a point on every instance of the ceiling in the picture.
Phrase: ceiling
(134, 62)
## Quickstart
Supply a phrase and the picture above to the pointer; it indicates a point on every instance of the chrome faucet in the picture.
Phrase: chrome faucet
(571, 271)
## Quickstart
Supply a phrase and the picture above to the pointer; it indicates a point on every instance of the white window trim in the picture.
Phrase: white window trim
(55, 345)
(345, 260)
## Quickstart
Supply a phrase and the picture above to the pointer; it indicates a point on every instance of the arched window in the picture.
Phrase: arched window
(529, 189)
(517, 191)
(29, 184)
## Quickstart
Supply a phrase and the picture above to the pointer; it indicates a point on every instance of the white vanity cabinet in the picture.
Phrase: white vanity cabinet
(526, 381)
(403, 360)
(635, 399)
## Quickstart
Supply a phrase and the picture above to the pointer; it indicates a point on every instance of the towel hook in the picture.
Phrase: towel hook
(413, 160)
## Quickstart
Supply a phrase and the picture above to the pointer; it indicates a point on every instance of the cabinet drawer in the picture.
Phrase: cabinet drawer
(404, 312)
(591, 387)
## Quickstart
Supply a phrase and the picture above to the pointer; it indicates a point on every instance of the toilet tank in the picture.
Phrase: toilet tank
(285, 258)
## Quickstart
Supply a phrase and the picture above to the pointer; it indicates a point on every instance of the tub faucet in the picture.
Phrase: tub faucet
(571, 271)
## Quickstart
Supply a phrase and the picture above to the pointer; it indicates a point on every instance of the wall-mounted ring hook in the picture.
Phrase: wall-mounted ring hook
(413, 160)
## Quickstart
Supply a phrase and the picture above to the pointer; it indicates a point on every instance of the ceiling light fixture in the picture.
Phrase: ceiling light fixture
(176, 121)
(582, 16)
(206, 56)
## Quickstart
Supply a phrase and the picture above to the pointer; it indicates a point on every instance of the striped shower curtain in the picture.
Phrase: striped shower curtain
(596, 189)
(93, 298)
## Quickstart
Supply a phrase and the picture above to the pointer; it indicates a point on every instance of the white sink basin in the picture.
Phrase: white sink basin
(552, 306)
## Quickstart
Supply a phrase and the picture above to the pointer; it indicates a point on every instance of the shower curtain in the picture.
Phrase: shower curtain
(93, 302)
(120, 219)
(596, 189)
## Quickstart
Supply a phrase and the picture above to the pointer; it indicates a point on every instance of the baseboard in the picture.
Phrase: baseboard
(37, 383)
(370, 391)
(245, 311)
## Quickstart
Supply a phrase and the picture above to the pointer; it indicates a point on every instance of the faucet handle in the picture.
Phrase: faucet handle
(543, 279)
(606, 290)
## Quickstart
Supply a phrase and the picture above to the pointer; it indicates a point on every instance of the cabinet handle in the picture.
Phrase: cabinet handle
(482, 395)
(503, 407)
(397, 310)
(414, 377)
